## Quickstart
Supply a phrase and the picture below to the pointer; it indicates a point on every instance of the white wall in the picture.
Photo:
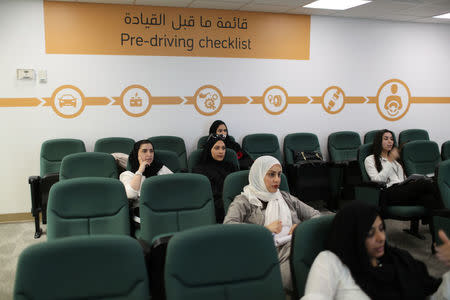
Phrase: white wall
(354, 54)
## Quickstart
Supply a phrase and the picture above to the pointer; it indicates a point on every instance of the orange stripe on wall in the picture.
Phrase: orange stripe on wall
(97, 100)
(298, 100)
(316, 100)
(355, 100)
(19, 102)
(165, 100)
(257, 100)
(426, 100)
(235, 100)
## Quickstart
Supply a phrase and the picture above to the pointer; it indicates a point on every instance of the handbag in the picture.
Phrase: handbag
(307, 156)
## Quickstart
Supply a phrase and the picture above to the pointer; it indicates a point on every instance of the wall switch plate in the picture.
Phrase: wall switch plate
(42, 76)
(25, 74)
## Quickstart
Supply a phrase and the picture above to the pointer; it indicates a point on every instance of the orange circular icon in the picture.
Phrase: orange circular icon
(275, 100)
(135, 100)
(208, 100)
(393, 99)
(333, 100)
(68, 101)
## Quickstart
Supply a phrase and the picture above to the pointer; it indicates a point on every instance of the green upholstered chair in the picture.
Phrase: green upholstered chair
(169, 159)
(52, 153)
(344, 171)
(175, 202)
(412, 135)
(260, 144)
(420, 157)
(371, 193)
(441, 219)
(308, 240)
(87, 206)
(234, 184)
(307, 180)
(171, 143)
(202, 141)
(114, 144)
(89, 164)
(100, 267)
(196, 155)
(236, 261)
(445, 150)
(369, 137)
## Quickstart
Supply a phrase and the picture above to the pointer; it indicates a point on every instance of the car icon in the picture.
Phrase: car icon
(67, 100)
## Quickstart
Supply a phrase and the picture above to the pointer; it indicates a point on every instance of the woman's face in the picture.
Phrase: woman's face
(146, 153)
(273, 178)
(218, 151)
(222, 129)
(375, 240)
(387, 142)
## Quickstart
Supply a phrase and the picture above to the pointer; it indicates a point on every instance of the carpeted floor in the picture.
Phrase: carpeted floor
(15, 237)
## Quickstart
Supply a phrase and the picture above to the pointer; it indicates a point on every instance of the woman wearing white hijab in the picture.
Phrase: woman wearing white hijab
(262, 203)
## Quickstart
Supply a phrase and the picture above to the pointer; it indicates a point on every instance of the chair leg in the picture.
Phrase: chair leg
(414, 230)
(38, 230)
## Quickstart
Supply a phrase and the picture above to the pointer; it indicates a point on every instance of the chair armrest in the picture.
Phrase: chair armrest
(445, 212)
(162, 239)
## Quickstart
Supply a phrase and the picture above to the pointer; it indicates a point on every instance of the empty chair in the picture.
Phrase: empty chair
(420, 157)
(369, 136)
(412, 135)
(308, 240)
(171, 143)
(169, 159)
(195, 157)
(86, 206)
(445, 150)
(101, 267)
(235, 182)
(344, 173)
(89, 164)
(441, 219)
(175, 202)
(52, 153)
(114, 144)
(308, 180)
(260, 144)
(235, 262)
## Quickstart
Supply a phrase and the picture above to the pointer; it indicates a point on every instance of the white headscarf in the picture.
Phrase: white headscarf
(256, 191)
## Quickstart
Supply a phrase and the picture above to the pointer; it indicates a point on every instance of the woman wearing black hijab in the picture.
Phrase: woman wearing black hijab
(213, 166)
(218, 127)
(359, 264)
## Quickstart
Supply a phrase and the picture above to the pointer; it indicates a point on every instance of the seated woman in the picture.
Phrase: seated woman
(383, 166)
(213, 166)
(220, 128)
(359, 264)
(143, 164)
(262, 203)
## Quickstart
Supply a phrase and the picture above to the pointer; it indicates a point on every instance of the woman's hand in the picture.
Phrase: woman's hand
(443, 251)
(393, 154)
(275, 226)
(142, 165)
(292, 228)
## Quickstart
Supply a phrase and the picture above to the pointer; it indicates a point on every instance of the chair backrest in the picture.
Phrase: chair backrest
(114, 144)
(196, 155)
(236, 261)
(443, 181)
(171, 143)
(420, 157)
(298, 142)
(413, 135)
(53, 152)
(369, 137)
(235, 182)
(101, 267)
(202, 141)
(308, 241)
(445, 150)
(343, 146)
(86, 206)
(260, 144)
(88, 164)
(169, 159)
(175, 202)
(364, 151)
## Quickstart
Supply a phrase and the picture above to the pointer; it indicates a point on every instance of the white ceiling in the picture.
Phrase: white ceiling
(394, 10)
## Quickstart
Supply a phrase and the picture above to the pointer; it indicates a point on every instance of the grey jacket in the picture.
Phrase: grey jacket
(241, 211)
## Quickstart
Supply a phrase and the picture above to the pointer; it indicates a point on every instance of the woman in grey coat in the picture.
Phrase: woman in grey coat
(262, 203)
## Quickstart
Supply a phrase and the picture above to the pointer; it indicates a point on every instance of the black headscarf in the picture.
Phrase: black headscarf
(133, 160)
(228, 142)
(398, 276)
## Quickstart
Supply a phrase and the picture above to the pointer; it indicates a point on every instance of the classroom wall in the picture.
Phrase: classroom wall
(355, 54)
